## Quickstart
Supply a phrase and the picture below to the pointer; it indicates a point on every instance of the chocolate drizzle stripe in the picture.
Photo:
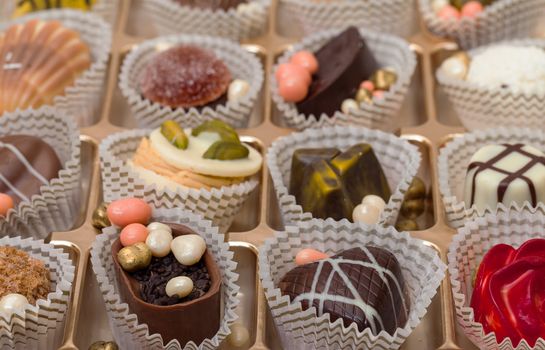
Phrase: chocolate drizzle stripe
(25, 162)
(511, 176)
(13, 188)
(370, 313)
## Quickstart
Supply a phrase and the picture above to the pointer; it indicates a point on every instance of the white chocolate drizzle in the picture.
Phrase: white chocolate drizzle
(27, 165)
(370, 313)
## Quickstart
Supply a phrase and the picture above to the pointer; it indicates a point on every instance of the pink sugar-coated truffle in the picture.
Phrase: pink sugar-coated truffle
(132, 234)
(307, 256)
(6, 203)
(367, 85)
(378, 94)
(305, 59)
(449, 12)
(472, 9)
(289, 70)
(293, 89)
(123, 212)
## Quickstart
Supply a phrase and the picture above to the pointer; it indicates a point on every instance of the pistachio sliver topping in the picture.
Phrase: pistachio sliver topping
(226, 150)
(174, 134)
(224, 130)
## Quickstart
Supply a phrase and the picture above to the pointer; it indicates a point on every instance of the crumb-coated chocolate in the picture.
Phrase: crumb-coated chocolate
(20, 273)
(26, 164)
(344, 62)
(361, 285)
(185, 76)
(155, 277)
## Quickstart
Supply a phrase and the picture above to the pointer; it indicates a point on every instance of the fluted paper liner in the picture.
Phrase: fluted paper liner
(107, 9)
(148, 114)
(502, 20)
(389, 51)
(399, 160)
(83, 99)
(56, 207)
(479, 107)
(118, 180)
(454, 159)
(468, 247)
(386, 16)
(42, 325)
(421, 266)
(246, 21)
(127, 331)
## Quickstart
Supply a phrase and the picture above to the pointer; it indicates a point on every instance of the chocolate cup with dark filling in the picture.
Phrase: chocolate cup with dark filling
(194, 320)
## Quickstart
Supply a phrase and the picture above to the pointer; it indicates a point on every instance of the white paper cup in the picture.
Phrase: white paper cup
(466, 252)
(455, 157)
(56, 207)
(247, 21)
(127, 331)
(241, 63)
(479, 107)
(389, 51)
(118, 180)
(42, 325)
(399, 160)
(421, 266)
(82, 100)
(396, 17)
(502, 20)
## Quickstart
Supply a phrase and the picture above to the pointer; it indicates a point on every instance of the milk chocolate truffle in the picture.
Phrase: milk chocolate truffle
(329, 183)
(508, 173)
(27, 163)
(38, 61)
(344, 62)
(185, 76)
(360, 285)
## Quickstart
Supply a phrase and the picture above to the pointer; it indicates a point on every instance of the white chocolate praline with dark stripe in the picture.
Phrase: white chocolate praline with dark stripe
(507, 173)
(362, 285)
(27, 163)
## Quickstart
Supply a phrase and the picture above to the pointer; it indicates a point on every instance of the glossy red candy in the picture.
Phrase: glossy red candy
(509, 294)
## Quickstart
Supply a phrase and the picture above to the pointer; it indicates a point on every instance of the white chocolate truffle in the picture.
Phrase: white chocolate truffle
(188, 249)
(13, 304)
(374, 200)
(191, 158)
(366, 213)
(180, 286)
(348, 105)
(518, 68)
(159, 241)
(509, 173)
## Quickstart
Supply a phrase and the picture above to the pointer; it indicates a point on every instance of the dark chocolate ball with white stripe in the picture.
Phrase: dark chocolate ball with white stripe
(361, 285)
(26, 164)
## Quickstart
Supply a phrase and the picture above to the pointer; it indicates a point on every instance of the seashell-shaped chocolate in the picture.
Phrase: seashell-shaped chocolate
(26, 164)
(38, 60)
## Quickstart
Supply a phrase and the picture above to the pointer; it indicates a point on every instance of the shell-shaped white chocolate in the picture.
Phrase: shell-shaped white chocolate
(38, 60)
(507, 174)
(191, 158)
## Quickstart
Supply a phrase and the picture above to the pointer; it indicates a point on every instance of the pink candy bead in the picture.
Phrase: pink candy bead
(290, 70)
(305, 59)
(367, 85)
(132, 234)
(6, 203)
(123, 212)
(448, 12)
(472, 9)
(379, 94)
(293, 89)
(307, 256)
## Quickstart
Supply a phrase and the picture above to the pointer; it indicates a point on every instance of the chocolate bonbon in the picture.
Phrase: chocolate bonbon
(507, 173)
(330, 183)
(28, 163)
(362, 285)
(344, 62)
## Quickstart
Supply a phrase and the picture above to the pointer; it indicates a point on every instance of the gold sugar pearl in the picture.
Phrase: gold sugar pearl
(100, 217)
(384, 79)
(135, 257)
(364, 95)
